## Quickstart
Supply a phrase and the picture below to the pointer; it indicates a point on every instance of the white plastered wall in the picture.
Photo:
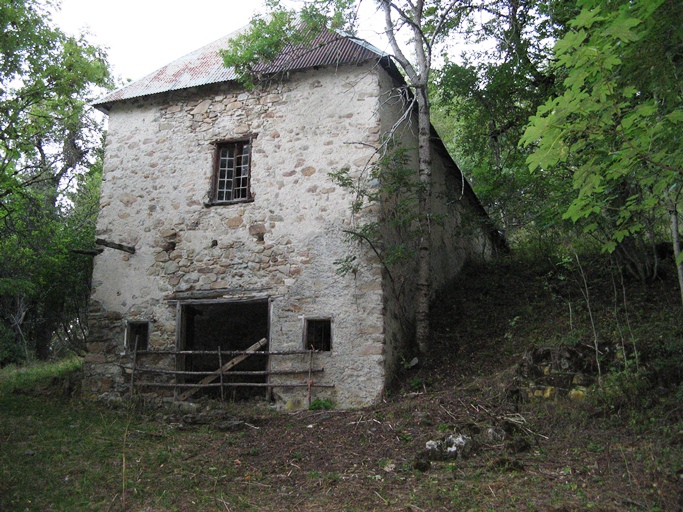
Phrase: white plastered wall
(282, 245)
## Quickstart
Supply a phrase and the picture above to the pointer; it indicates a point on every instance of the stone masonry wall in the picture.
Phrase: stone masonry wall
(281, 246)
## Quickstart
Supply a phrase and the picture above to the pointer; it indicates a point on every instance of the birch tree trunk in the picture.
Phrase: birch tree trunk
(417, 77)
(423, 284)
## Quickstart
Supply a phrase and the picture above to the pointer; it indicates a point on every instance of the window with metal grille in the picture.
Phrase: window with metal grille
(318, 334)
(231, 175)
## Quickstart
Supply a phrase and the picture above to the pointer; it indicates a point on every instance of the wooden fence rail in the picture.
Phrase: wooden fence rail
(185, 390)
(234, 384)
(223, 352)
(259, 372)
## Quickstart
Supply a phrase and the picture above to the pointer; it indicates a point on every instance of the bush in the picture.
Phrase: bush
(621, 389)
(321, 404)
(10, 349)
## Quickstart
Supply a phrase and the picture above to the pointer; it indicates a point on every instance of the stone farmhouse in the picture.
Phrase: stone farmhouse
(221, 232)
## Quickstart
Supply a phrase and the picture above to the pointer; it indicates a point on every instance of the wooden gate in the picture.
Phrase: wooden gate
(217, 378)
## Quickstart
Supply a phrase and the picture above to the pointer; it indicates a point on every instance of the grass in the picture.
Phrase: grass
(58, 453)
(619, 449)
(55, 453)
(36, 374)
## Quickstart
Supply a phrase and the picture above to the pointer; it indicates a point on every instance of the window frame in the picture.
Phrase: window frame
(236, 144)
(325, 343)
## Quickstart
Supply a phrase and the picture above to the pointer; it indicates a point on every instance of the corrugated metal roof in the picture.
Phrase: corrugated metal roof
(205, 65)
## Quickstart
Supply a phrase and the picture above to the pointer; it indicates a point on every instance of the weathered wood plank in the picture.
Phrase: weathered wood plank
(234, 294)
(114, 245)
(87, 252)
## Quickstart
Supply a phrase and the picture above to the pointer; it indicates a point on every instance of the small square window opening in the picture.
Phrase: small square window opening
(137, 336)
(232, 172)
(318, 335)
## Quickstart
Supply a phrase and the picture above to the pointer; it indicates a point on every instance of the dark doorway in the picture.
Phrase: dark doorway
(230, 326)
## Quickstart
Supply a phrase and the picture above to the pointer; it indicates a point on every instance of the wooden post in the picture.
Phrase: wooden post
(310, 380)
(220, 365)
(179, 360)
(113, 245)
(135, 362)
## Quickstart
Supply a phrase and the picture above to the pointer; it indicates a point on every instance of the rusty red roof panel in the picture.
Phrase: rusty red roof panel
(205, 65)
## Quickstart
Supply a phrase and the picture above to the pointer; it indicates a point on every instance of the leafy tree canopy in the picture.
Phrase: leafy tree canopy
(49, 142)
(485, 98)
(616, 127)
(46, 79)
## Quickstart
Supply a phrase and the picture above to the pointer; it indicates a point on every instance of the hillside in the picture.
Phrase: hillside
(502, 334)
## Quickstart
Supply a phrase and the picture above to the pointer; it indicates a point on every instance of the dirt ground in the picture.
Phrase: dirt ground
(605, 452)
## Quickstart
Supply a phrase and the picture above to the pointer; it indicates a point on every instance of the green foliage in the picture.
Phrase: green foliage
(416, 384)
(268, 35)
(616, 126)
(49, 179)
(346, 264)
(390, 181)
(10, 351)
(44, 288)
(621, 389)
(28, 377)
(47, 78)
(484, 101)
(261, 43)
(662, 347)
(321, 404)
